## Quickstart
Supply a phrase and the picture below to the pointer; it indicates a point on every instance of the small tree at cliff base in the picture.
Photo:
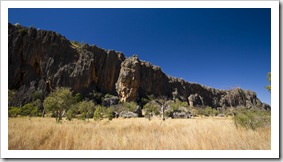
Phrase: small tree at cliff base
(98, 113)
(86, 108)
(268, 87)
(59, 101)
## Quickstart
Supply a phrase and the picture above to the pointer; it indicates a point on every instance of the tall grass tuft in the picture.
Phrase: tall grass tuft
(253, 119)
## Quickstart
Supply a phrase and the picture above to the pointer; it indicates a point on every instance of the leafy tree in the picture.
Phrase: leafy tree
(268, 87)
(86, 108)
(59, 101)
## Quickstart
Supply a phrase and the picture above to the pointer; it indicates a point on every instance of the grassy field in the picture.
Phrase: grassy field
(134, 134)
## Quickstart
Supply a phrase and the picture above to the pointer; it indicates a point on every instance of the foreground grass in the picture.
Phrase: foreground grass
(134, 134)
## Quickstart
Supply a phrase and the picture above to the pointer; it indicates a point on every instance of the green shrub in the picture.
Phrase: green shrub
(109, 113)
(86, 108)
(28, 110)
(70, 114)
(130, 106)
(151, 108)
(98, 113)
(167, 113)
(78, 97)
(14, 111)
(177, 104)
(208, 111)
(252, 119)
(23, 31)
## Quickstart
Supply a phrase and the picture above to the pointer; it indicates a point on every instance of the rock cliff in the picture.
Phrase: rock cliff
(42, 60)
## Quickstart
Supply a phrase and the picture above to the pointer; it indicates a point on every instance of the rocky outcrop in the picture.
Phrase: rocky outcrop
(138, 79)
(46, 60)
(42, 60)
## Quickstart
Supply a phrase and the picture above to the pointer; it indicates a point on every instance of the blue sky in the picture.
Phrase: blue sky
(220, 48)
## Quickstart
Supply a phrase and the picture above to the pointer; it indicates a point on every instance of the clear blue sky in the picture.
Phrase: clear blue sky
(220, 48)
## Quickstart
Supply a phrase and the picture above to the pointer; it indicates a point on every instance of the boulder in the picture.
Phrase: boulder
(180, 114)
(128, 114)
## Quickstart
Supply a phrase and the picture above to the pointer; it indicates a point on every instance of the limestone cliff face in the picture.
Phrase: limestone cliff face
(139, 79)
(42, 60)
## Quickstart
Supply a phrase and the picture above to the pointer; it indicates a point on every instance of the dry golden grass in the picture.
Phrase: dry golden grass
(134, 134)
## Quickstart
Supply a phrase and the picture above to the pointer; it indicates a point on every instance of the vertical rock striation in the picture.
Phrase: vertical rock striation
(42, 60)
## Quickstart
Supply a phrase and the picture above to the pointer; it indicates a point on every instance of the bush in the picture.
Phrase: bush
(98, 113)
(28, 110)
(177, 104)
(14, 111)
(130, 106)
(252, 119)
(151, 108)
(70, 114)
(209, 111)
(109, 113)
(78, 97)
(23, 31)
(86, 108)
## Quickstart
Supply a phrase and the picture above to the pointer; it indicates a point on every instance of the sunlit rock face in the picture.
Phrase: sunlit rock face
(43, 60)
(40, 60)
